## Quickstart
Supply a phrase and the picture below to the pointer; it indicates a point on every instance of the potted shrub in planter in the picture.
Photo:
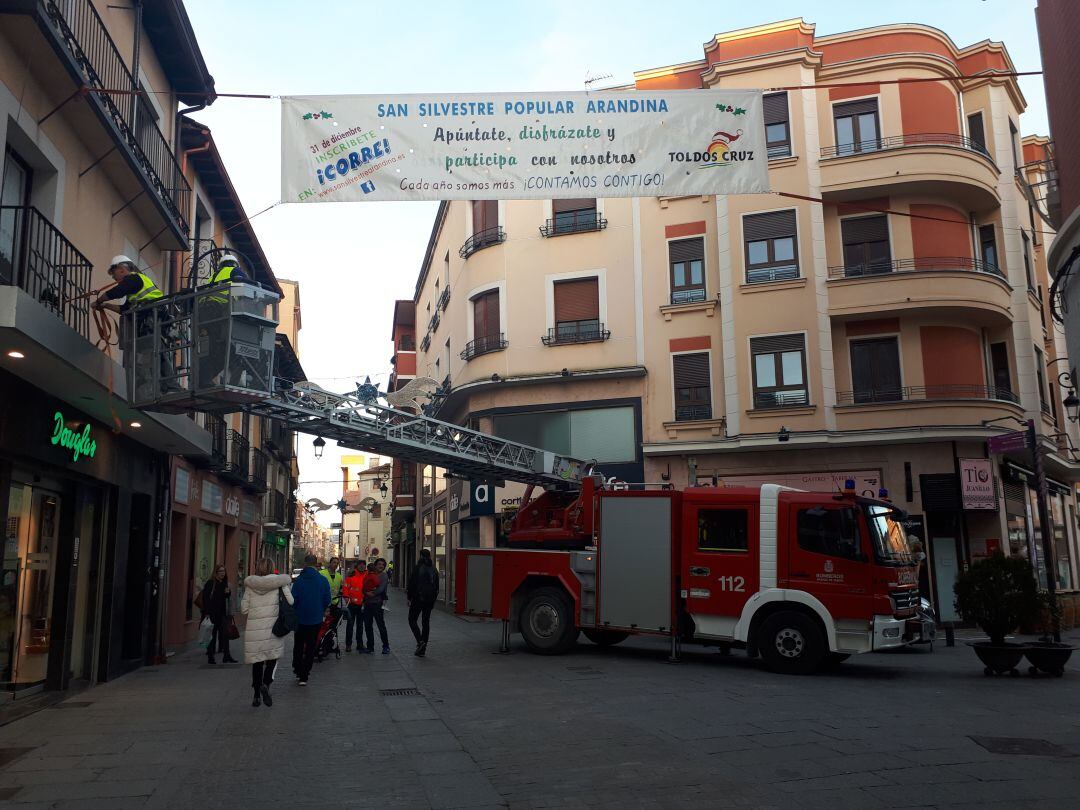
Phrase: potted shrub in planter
(1047, 655)
(998, 594)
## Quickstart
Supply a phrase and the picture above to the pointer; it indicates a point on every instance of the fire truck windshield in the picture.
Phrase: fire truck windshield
(890, 544)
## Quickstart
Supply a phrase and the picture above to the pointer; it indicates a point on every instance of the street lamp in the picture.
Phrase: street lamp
(384, 490)
(319, 444)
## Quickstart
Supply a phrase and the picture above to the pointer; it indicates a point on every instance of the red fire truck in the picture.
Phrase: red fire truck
(799, 578)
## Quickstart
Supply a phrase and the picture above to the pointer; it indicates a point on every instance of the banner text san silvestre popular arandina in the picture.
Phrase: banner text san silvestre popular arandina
(522, 146)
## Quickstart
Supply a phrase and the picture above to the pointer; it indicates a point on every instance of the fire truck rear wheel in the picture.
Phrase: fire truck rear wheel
(547, 622)
(605, 638)
(791, 643)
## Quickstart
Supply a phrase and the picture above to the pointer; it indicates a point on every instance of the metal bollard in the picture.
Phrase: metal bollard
(950, 637)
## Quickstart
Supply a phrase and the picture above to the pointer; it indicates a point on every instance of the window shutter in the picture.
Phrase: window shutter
(864, 229)
(777, 343)
(478, 216)
(860, 107)
(772, 225)
(576, 204)
(687, 250)
(975, 129)
(491, 213)
(577, 300)
(691, 370)
(486, 315)
(775, 107)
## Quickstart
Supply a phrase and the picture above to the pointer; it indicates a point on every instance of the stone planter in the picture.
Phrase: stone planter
(998, 659)
(1048, 656)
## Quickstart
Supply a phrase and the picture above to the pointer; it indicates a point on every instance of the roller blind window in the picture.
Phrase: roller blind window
(486, 315)
(857, 126)
(779, 371)
(777, 125)
(770, 248)
(686, 258)
(577, 307)
(570, 216)
(693, 394)
(866, 245)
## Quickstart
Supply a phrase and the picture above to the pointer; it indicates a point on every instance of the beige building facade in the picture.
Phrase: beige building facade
(878, 317)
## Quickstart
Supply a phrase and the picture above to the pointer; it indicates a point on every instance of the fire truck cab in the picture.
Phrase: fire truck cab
(799, 578)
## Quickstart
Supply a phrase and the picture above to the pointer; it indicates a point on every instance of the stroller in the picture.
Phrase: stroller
(326, 643)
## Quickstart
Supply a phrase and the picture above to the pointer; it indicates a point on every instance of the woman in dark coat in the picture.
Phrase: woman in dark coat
(215, 604)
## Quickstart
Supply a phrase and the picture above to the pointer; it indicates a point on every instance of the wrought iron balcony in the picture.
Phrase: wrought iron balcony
(695, 295)
(905, 141)
(484, 345)
(425, 344)
(201, 262)
(444, 298)
(215, 426)
(433, 324)
(237, 456)
(92, 59)
(766, 400)
(275, 509)
(257, 470)
(481, 240)
(692, 413)
(576, 332)
(36, 257)
(922, 393)
(573, 222)
(929, 264)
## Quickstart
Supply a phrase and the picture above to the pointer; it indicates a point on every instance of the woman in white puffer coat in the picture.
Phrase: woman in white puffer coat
(262, 648)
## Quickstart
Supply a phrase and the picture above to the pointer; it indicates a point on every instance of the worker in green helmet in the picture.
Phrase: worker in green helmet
(213, 345)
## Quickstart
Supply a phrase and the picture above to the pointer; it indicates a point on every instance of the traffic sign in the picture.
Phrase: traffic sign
(1010, 442)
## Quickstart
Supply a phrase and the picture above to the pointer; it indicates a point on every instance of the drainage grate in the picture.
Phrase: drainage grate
(11, 754)
(410, 692)
(74, 704)
(1022, 746)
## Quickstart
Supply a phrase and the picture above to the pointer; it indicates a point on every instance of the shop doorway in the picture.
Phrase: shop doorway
(946, 569)
(31, 536)
(137, 621)
(86, 561)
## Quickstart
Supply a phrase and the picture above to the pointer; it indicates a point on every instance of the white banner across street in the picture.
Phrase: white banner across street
(522, 146)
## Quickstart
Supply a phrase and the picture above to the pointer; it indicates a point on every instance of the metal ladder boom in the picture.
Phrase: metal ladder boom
(387, 431)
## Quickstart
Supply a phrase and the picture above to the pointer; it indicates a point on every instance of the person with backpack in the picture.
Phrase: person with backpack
(422, 591)
(352, 591)
(263, 592)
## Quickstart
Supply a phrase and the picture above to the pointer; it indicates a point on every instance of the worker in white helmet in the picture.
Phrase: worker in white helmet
(214, 315)
(137, 288)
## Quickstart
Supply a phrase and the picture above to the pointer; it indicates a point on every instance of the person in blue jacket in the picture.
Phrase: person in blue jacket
(311, 598)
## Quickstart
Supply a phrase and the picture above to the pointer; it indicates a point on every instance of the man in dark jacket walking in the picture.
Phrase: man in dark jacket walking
(422, 591)
(311, 598)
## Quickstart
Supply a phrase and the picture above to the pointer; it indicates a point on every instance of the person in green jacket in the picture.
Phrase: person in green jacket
(333, 576)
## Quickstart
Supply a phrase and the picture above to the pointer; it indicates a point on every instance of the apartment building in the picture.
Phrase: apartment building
(85, 476)
(402, 509)
(365, 488)
(877, 317)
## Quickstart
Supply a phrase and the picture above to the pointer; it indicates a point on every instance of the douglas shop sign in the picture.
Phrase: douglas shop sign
(79, 442)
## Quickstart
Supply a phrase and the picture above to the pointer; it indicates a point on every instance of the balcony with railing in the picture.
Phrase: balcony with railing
(444, 298)
(935, 164)
(36, 257)
(276, 509)
(81, 40)
(942, 282)
(692, 295)
(200, 262)
(481, 240)
(576, 332)
(923, 393)
(237, 456)
(257, 468)
(693, 413)
(791, 398)
(425, 344)
(484, 345)
(219, 443)
(434, 322)
(566, 222)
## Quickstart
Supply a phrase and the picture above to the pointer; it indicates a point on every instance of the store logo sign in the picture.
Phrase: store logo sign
(80, 444)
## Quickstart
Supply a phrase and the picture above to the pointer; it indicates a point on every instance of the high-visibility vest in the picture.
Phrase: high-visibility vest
(222, 275)
(148, 291)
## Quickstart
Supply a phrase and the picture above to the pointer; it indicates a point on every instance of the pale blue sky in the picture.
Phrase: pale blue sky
(353, 259)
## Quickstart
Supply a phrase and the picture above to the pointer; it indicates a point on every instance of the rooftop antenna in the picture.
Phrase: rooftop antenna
(591, 80)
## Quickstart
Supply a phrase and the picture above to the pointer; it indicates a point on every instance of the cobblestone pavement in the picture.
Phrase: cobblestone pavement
(614, 727)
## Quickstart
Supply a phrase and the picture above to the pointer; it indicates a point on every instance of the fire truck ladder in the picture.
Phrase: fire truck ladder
(212, 349)
(377, 428)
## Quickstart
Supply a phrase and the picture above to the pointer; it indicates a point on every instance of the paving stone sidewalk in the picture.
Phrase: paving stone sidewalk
(613, 727)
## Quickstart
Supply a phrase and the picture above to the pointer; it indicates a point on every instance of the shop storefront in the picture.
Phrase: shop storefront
(213, 522)
(79, 588)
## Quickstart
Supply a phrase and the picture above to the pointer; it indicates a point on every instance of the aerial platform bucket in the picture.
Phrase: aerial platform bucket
(207, 349)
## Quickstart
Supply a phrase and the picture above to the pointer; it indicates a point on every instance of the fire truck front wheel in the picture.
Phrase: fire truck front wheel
(791, 643)
(547, 622)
